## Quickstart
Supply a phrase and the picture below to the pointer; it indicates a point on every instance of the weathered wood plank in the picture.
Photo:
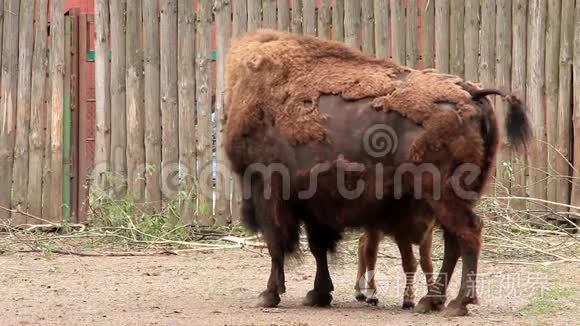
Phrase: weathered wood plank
(223, 182)
(487, 44)
(427, 32)
(134, 103)
(240, 17)
(503, 71)
(309, 17)
(152, 104)
(352, 23)
(269, 12)
(381, 9)
(398, 31)
(551, 91)
(37, 109)
(1, 32)
(20, 170)
(283, 16)
(102, 93)
(471, 40)
(519, 72)
(67, 121)
(186, 98)
(368, 26)
(254, 15)
(535, 95)
(456, 38)
(57, 101)
(412, 34)
(117, 158)
(338, 20)
(564, 138)
(8, 101)
(84, 163)
(203, 90)
(442, 35)
(324, 19)
(575, 195)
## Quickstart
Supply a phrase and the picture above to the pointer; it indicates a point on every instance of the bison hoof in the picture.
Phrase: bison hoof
(374, 301)
(455, 309)
(359, 296)
(268, 299)
(430, 303)
(407, 305)
(317, 299)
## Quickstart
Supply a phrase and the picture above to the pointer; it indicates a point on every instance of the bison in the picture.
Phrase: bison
(319, 134)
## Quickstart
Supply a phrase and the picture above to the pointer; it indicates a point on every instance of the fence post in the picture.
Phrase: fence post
(338, 20)
(186, 100)
(20, 172)
(57, 97)
(368, 26)
(269, 10)
(67, 121)
(564, 136)
(324, 19)
(471, 40)
(398, 31)
(37, 109)
(296, 14)
(254, 15)
(535, 95)
(240, 19)
(576, 114)
(456, 42)
(352, 27)
(309, 17)
(134, 103)
(8, 104)
(381, 9)
(442, 35)
(83, 162)
(152, 104)
(204, 108)
(118, 93)
(427, 38)
(551, 91)
(411, 32)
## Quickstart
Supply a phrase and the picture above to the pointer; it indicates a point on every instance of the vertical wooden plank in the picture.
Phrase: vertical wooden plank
(186, 100)
(20, 170)
(76, 185)
(503, 71)
(1, 32)
(564, 136)
(117, 159)
(152, 104)
(412, 29)
(102, 92)
(203, 85)
(338, 20)
(67, 121)
(456, 34)
(398, 30)
(551, 91)
(283, 16)
(487, 44)
(575, 196)
(352, 23)
(427, 32)
(83, 90)
(471, 40)
(535, 95)
(240, 17)
(269, 12)
(324, 19)
(309, 17)
(368, 26)
(518, 85)
(8, 100)
(381, 9)
(442, 35)
(134, 103)
(223, 184)
(296, 14)
(37, 107)
(57, 97)
(169, 110)
(254, 15)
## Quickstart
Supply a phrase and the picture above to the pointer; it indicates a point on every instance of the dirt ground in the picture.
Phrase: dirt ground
(220, 287)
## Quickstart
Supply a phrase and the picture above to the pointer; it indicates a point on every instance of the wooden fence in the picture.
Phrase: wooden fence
(159, 71)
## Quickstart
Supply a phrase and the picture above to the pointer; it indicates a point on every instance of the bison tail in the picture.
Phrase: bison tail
(517, 125)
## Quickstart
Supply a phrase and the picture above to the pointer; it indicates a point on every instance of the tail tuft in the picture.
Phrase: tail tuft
(517, 125)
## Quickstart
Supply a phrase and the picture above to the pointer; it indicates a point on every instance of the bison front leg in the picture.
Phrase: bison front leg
(320, 240)
(276, 283)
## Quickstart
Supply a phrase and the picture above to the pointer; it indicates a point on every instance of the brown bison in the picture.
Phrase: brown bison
(323, 136)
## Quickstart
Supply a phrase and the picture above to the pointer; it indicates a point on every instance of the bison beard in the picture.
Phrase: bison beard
(299, 113)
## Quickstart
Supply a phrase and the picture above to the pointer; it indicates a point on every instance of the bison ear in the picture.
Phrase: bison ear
(255, 62)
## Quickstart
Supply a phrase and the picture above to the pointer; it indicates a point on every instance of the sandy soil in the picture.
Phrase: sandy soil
(220, 288)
